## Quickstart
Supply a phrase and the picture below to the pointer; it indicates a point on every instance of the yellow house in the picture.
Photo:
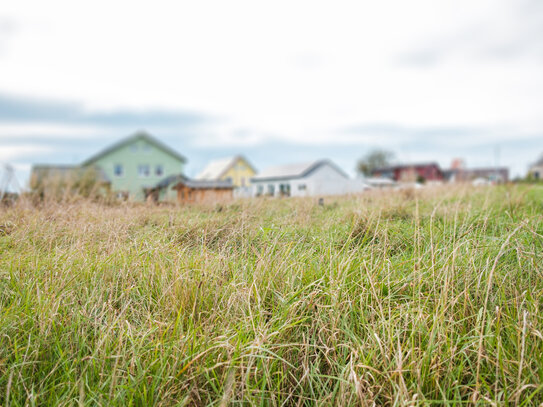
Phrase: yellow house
(235, 169)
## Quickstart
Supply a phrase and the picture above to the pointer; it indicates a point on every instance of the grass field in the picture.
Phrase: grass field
(393, 298)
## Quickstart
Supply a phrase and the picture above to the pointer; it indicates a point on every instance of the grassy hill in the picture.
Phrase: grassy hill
(392, 298)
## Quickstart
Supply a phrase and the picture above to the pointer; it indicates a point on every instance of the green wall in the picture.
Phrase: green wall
(131, 156)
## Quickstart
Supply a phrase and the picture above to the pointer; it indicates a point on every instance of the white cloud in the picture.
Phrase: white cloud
(242, 59)
(299, 71)
(15, 152)
(10, 131)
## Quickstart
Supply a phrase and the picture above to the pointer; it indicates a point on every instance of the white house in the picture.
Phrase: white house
(316, 178)
(536, 169)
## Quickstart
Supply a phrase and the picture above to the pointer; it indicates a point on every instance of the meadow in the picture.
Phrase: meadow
(426, 297)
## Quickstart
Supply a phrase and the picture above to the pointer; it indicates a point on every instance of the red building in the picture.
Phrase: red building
(418, 172)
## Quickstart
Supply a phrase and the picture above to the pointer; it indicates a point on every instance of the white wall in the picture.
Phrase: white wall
(243, 192)
(325, 180)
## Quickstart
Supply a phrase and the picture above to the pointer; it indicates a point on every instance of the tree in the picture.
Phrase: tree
(374, 159)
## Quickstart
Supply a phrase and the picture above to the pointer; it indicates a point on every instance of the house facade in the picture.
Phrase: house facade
(137, 163)
(317, 178)
(411, 172)
(131, 167)
(238, 170)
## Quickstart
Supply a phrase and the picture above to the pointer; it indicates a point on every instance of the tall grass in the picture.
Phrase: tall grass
(394, 298)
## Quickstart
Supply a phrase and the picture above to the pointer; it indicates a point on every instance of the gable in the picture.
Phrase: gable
(139, 142)
(301, 170)
(218, 169)
(239, 165)
(325, 171)
(135, 154)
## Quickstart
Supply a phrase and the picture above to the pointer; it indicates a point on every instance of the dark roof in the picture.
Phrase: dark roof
(64, 170)
(402, 166)
(138, 136)
(166, 182)
(480, 169)
(54, 167)
(293, 171)
(204, 184)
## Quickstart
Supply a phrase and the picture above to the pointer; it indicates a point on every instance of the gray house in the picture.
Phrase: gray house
(316, 178)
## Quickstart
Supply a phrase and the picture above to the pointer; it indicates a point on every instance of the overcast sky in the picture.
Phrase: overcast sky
(280, 81)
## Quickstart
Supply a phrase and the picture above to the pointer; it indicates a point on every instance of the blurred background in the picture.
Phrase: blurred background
(279, 82)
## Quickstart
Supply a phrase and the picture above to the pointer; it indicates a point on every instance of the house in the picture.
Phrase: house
(536, 169)
(52, 174)
(235, 169)
(316, 178)
(483, 174)
(203, 192)
(137, 163)
(410, 172)
(131, 166)
(55, 180)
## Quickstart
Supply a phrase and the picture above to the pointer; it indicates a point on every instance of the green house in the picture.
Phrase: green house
(131, 167)
(136, 164)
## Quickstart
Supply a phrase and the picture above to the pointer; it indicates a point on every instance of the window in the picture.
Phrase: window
(143, 170)
(284, 189)
(146, 148)
(259, 190)
(159, 170)
(302, 187)
(134, 148)
(271, 189)
(118, 170)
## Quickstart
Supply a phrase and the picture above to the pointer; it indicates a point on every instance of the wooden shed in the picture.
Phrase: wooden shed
(203, 192)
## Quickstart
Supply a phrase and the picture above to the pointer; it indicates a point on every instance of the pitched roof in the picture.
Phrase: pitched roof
(538, 162)
(298, 170)
(137, 136)
(54, 167)
(64, 170)
(217, 168)
(408, 165)
(170, 179)
(181, 179)
(204, 184)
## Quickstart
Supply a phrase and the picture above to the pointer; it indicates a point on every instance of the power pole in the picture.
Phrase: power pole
(496, 163)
